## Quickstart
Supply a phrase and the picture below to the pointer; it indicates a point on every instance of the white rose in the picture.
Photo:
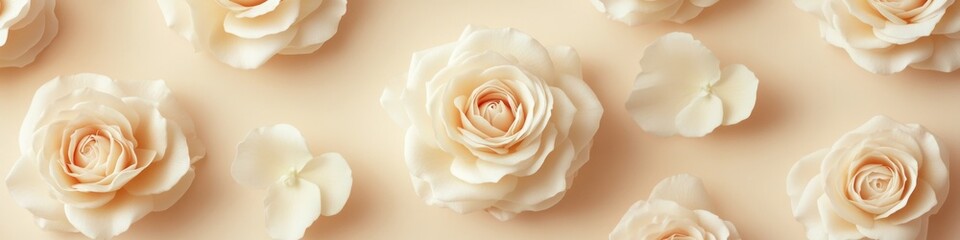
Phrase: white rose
(883, 180)
(497, 122)
(887, 36)
(633, 12)
(26, 28)
(99, 155)
(678, 208)
(247, 33)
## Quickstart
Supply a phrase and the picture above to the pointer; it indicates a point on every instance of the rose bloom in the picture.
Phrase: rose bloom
(678, 208)
(246, 33)
(98, 155)
(635, 12)
(26, 28)
(495, 121)
(887, 36)
(883, 180)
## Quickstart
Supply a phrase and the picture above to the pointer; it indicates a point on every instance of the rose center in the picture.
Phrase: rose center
(497, 114)
(675, 236)
(249, 3)
(291, 178)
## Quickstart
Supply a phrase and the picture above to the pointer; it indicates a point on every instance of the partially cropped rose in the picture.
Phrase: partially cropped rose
(883, 180)
(634, 12)
(98, 155)
(26, 28)
(246, 33)
(496, 122)
(678, 208)
(887, 36)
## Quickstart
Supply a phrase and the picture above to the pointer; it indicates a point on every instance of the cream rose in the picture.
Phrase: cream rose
(634, 12)
(678, 208)
(887, 36)
(247, 33)
(496, 122)
(26, 28)
(883, 180)
(99, 155)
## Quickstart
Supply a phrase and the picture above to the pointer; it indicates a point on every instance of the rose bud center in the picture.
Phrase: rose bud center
(249, 3)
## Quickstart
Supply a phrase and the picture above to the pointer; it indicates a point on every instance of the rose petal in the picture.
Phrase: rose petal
(801, 176)
(333, 176)
(950, 23)
(291, 208)
(111, 219)
(431, 166)
(892, 59)
(165, 200)
(176, 14)
(684, 189)
(50, 28)
(920, 202)
(855, 32)
(946, 55)
(712, 224)
(686, 12)
(267, 24)
(267, 7)
(29, 191)
(21, 40)
(883, 231)
(835, 226)
(13, 12)
(164, 173)
(507, 41)
(318, 27)
(737, 88)
(269, 153)
(537, 192)
(704, 114)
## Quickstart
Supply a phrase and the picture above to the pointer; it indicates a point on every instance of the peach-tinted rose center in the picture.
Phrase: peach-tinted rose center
(497, 113)
(675, 236)
(249, 3)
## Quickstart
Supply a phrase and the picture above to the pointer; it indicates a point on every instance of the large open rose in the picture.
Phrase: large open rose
(887, 36)
(26, 28)
(883, 180)
(247, 33)
(497, 122)
(99, 155)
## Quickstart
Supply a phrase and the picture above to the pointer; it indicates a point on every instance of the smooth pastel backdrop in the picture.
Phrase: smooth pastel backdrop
(810, 93)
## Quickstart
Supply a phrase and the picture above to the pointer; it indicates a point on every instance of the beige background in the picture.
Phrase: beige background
(810, 93)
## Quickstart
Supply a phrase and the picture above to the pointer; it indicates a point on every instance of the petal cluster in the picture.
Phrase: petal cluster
(681, 89)
(635, 12)
(886, 37)
(882, 180)
(678, 208)
(495, 121)
(26, 28)
(246, 33)
(300, 187)
(98, 155)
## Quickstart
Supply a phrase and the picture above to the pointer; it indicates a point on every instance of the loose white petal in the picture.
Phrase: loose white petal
(291, 208)
(269, 153)
(333, 176)
(704, 114)
(946, 54)
(738, 90)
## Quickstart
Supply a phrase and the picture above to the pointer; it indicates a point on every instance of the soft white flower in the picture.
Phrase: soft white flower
(680, 89)
(99, 155)
(678, 208)
(247, 33)
(633, 12)
(887, 36)
(26, 28)
(300, 187)
(495, 121)
(883, 180)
